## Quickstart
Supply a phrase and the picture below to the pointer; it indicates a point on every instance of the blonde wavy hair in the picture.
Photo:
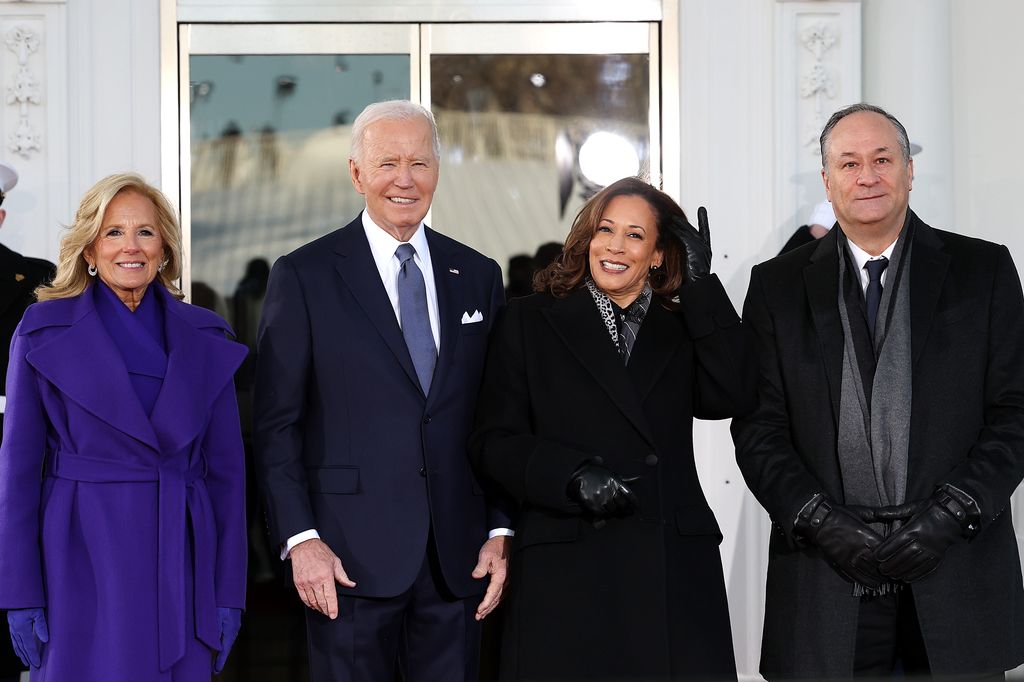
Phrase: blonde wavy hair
(72, 270)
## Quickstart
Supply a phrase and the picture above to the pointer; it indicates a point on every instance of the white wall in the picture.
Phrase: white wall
(988, 143)
(98, 70)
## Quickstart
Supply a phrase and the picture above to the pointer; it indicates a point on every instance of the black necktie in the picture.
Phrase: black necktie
(875, 269)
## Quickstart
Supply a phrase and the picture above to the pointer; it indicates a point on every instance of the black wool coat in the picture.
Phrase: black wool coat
(639, 597)
(19, 277)
(966, 428)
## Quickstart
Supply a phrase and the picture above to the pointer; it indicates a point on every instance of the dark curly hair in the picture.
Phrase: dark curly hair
(569, 270)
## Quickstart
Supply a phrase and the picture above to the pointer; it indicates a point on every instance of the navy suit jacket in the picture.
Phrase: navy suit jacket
(346, 442)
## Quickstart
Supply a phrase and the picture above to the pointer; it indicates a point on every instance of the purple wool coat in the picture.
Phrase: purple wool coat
(129, 530)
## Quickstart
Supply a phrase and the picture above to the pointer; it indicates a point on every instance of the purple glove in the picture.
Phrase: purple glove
(230, 624)
(28, 634)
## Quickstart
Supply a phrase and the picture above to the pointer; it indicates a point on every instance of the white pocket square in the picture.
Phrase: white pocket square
(477, 316)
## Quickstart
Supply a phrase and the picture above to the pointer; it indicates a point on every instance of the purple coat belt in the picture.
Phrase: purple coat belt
(178, 491)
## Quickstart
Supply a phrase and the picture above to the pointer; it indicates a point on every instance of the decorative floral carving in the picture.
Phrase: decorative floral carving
(819, 39)
(25, 90)
(817, 80)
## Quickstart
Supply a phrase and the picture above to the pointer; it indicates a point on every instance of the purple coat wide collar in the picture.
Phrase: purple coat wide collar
(84, 363)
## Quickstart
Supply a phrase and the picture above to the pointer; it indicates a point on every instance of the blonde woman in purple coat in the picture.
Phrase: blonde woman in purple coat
(122, 514)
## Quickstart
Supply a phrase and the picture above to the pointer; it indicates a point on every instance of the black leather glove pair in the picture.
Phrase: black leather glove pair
(696, 244)
(909, 554)
(600, 492)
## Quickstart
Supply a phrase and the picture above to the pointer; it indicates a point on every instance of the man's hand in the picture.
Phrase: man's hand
(843, 539)
(493, 559)
(315, 568)
(917, 548)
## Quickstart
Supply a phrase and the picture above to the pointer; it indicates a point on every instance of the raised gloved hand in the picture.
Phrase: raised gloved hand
(845, 541)
(696, 243)
(28, 634)
(918, 546)
(230, 624)
(599, 491)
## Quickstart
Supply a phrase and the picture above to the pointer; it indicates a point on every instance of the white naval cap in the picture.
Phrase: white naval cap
(823, 215)
(8, 179)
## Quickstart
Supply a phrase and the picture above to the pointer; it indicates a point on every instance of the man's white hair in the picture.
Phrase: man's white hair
(391, 110)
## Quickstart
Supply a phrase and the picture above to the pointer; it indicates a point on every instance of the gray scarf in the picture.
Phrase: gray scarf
(874, 424)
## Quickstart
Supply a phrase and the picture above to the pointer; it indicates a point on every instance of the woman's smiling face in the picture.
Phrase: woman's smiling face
(129, 249)
(623, 248)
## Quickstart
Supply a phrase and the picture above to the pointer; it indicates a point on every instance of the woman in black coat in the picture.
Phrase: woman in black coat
(585, 417)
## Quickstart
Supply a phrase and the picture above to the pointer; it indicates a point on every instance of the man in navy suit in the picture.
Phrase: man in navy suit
(369, 358)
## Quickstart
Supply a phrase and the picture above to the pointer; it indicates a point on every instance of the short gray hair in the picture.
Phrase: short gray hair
(391, 110)
(901, 132)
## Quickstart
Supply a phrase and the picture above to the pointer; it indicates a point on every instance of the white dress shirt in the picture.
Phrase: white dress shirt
(861, 257)
(383, 247)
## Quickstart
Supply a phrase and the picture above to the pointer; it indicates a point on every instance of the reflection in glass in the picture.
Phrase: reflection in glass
(270, 138)
(512, 128)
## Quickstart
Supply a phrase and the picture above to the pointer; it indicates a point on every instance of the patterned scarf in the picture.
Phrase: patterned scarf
(623, 330)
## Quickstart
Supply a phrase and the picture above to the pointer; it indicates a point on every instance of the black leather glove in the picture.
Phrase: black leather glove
(843, 538)
(696, 243)
(599, 491)
(918, 546)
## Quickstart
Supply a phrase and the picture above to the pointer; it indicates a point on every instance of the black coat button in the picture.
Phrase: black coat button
(423, 472)
(651, 460)
(426, 420)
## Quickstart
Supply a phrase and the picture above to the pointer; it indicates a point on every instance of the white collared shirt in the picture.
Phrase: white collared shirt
(861, 257)
(383, 247)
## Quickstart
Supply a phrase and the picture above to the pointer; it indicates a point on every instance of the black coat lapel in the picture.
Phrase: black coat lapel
(357, 269)
(576, 320)
(821, 279)
(450, 300)
(659, 337)
(928, 267)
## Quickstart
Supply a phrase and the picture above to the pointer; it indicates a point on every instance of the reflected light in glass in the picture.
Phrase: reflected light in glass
(538, 80)
(605, 157)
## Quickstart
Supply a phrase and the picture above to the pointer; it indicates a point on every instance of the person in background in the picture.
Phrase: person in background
(19, 278)
(821, 221)
(122, 538)
(585, 418)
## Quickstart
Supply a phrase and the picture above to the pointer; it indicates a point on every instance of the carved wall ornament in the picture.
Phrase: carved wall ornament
(24, 91)
(817, 80)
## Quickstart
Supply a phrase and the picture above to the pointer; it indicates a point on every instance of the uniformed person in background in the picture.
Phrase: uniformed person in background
(19, 277)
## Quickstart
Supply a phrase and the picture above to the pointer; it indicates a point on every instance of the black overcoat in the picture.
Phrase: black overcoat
(19, 277)
(966, 428)
(642, 597)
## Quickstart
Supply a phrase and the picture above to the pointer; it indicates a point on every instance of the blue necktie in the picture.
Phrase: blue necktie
(874, 293)
(412, 308)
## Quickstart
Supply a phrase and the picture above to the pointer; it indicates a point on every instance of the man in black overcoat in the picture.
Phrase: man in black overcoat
(889, 434)
(19, 277)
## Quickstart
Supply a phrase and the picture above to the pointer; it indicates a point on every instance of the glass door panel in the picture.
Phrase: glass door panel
(270, 111)
(534, 119)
